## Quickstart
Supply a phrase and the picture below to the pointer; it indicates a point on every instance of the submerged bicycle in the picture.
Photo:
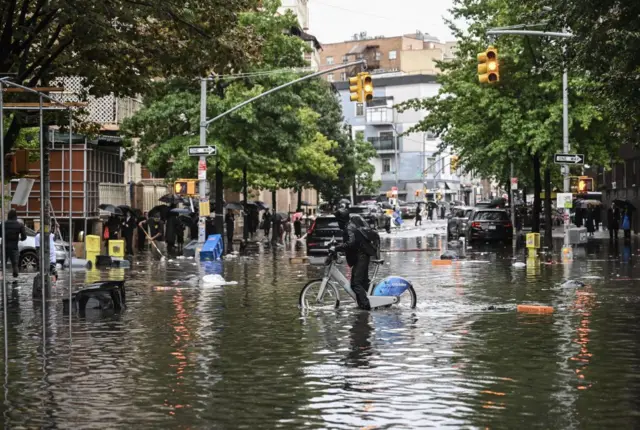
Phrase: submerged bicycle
(392, 290)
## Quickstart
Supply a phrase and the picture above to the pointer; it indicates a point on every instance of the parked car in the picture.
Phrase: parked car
(374, 215)
(28, 256)
(458, 221)
(322, 231)
(489, 224)
(408, 210)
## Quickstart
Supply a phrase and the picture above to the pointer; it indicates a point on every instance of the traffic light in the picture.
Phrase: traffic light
(367, 86)
(355, 88)
(585, 185)
(454, 163)
(185, 187)
(488, 66)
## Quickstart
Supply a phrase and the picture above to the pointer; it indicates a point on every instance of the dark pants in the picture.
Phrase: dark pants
(359, 281)
(13, 255)
(613, 233)
(266, 232)
(229, 239)
(627, 234)
(128, 241)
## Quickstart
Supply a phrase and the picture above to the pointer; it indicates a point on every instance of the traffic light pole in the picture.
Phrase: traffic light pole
(566, 249)
(202, 160)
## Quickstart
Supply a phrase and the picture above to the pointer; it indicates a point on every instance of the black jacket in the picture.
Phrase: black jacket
(351, 244)
(15, 233)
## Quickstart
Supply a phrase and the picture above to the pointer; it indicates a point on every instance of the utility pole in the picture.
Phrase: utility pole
(202, 161)
(566, 249)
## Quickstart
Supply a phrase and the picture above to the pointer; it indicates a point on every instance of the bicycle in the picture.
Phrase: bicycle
(393, 290)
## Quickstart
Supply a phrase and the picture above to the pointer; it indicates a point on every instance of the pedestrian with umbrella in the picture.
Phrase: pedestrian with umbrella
(626, 224)
(266, 223)
(613, 221)
(229, 221)
(297, 225)
(128, 226)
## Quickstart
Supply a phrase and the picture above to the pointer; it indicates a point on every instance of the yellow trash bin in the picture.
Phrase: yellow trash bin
(91, 256)
(116, 248)
(93, 243)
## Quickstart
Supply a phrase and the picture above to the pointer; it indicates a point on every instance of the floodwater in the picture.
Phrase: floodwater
(244, 356)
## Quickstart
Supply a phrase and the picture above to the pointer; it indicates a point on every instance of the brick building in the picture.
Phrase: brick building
(408, 54)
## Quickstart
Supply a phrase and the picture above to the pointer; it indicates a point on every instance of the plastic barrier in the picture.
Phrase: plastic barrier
(535, 309)
(212, 248)
(116, 248)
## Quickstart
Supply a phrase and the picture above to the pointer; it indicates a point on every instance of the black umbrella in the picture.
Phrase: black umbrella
(280, 216)
(113, 210)
(235, 206)
(162, 210)
(624, 204)
(170, 198)
(125, 209)
(260, 205)
(432, 204)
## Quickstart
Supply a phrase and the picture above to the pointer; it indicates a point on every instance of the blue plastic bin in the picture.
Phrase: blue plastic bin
(212, 248)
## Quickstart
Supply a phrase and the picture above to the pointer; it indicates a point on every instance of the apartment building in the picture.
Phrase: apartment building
(300, 9)
(408, 54)
(414, 162)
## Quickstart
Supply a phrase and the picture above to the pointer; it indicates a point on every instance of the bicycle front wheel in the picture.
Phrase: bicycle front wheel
(309, 296)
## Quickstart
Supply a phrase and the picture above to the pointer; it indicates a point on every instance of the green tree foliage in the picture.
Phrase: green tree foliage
(520, 118)
(606, 44)
(363, 153)
(286, 139)
(119, 46)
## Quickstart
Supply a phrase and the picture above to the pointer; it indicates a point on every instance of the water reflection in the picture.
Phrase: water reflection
(182, 355)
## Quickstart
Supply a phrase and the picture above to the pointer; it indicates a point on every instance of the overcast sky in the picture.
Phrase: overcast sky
(337, 20)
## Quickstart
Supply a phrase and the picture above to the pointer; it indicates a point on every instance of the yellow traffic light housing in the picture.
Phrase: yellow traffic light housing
(355, 88)
(367, 86)
(488, 66)
(185, 187)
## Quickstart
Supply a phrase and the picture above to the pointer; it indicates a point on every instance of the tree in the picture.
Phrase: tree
(606, 45)
(363, 153)
(519, 119)
(119, 46)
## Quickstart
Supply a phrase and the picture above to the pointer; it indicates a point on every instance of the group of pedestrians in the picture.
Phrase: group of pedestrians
(619, 219)
(428, 212)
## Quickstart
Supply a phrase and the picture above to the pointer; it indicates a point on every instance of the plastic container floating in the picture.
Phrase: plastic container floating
(441, 262)
(534, 309)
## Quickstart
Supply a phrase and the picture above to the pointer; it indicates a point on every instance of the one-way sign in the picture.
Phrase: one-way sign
(197, 151)
(568, 158)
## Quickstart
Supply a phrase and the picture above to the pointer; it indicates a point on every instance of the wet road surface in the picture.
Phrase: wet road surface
(243, 356)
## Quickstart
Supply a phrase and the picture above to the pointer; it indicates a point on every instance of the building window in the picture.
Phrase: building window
(386, 165)
(359, 109)
(378, 56)
(345, 59)
(386, 135)
(329, 60)
(330, 78)
(343, 76)
(431, 166)
(392, 55)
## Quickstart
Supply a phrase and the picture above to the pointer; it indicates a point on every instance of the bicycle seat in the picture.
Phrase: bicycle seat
(377, 262)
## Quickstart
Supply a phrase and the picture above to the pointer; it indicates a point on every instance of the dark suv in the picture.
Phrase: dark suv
(374, 215)
(489, 224)
(322, 231)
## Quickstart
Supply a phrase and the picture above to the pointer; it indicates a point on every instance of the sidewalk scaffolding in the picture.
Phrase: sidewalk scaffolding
(51, 104)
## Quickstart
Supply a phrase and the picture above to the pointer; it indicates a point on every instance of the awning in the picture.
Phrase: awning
(454, 187)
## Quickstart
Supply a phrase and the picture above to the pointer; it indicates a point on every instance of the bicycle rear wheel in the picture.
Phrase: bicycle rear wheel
(309, 296)
(408, 299)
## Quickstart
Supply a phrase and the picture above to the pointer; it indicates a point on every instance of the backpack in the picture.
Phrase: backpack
(370, 241)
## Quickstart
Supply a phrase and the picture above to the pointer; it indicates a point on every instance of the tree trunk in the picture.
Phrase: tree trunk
(537, 189)
(219, 201)
(245, 188)
(274, 200)
(355, 191)
(299, 208)
(548, 231)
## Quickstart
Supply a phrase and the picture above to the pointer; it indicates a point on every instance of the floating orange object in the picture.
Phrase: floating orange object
(441, 262)
(535, 309)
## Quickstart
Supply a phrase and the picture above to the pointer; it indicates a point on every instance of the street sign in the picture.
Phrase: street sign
(514, 183)
(202, 170)
(394, 191)
(564, 201)
(198, 151)
(568, 158)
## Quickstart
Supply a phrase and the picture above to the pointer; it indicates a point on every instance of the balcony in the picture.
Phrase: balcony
(380, 115)
(382, 144)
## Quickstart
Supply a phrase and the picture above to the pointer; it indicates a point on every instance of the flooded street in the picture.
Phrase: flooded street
(184, 355)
